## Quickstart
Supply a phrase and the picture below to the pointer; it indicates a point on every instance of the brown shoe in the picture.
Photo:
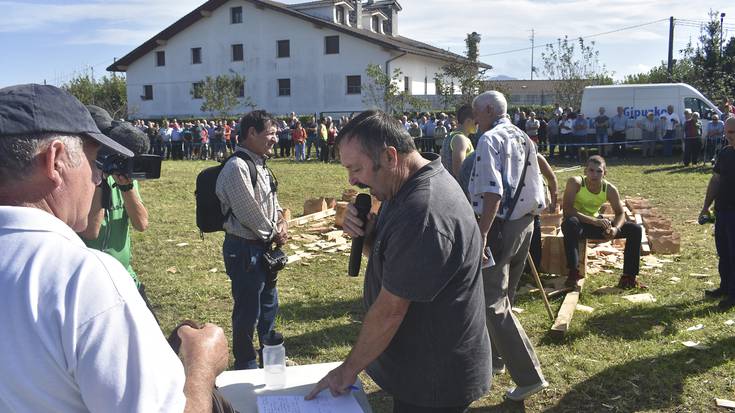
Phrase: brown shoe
(628, 282)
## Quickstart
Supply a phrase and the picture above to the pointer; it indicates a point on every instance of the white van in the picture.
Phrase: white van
(638, 100)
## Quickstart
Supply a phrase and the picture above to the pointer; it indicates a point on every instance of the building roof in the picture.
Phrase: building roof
(399, 43)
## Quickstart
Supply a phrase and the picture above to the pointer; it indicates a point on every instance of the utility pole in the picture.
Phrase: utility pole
(533, 41)
(671, 48)
(722, 21)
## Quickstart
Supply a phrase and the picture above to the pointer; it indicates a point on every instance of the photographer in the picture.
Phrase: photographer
(253, 223)
(116, 202)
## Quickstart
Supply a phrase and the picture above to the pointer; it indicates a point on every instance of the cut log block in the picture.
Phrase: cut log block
(296, 222)
(553, 256)
(551, 220)
(340, 211)
(331, 202)
(312, 206)
(287, 214)
(349, 195)
(666, 244)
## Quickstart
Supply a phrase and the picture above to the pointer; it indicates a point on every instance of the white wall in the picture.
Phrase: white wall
(318, 81)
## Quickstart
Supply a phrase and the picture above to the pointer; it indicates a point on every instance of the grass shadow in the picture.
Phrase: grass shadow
(645, 384)
(301, 311)
(312, 344)
(640, 322)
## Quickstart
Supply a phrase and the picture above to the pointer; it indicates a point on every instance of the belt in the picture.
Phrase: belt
(257, 242)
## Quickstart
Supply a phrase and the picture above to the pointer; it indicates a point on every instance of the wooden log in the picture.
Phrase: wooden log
(296, 222)
(331, 202)
(312, 206)
(340, 211)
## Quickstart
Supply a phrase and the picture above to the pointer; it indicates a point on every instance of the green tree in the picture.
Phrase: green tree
(383, 91)
(108, 93)
(468, 74)
(222, 94)
(574, 65)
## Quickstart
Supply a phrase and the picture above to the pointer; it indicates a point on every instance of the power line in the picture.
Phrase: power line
(582, 37)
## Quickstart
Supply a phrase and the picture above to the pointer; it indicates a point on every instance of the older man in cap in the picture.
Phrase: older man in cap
(77, 336)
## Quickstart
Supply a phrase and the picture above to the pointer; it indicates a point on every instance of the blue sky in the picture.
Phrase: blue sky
(53, 40)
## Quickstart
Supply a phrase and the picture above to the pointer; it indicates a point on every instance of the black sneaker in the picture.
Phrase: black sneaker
(716, 293)
(726, 304)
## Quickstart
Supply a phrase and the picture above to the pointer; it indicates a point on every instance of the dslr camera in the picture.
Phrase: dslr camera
(139, 167)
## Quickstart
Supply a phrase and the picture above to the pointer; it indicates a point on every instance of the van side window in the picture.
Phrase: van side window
(697, 105)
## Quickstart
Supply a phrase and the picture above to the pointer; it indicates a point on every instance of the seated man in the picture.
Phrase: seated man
(583, 197)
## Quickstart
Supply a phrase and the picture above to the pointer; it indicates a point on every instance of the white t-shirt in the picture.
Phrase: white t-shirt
(78, 337)
(670, 119)
(498, 167)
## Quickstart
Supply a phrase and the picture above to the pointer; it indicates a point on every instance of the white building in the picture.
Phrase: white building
(307, 58)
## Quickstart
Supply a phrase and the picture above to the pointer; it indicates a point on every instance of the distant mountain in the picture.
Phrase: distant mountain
(503, 77)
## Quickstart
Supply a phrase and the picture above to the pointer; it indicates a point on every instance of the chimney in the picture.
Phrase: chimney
(394, 21)
(358, 14)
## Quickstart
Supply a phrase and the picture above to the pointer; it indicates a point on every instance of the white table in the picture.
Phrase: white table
(241, 387)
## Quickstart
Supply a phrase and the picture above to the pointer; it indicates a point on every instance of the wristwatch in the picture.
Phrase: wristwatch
(124, 188)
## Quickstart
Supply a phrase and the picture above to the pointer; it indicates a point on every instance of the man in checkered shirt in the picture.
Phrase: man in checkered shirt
(254, 221)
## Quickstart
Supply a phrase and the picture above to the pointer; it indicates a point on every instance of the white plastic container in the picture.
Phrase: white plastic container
(274, 361)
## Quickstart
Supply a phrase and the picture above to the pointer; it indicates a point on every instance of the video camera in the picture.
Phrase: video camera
(139, 167)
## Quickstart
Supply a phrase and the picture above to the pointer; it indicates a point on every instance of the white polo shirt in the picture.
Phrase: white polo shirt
(77, 335)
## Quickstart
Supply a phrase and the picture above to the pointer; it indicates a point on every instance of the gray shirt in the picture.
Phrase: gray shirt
(427, 249)
(618, 123)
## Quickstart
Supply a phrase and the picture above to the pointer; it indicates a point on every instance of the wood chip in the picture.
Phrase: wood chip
(585, 309)
(695, 328)
(730, 322)
(640, 298)
(517, 310)
(725, 403)
(695, 345)
(172, 270)
(182, 244)
(674, 280)
(213, 270)
(696, 275)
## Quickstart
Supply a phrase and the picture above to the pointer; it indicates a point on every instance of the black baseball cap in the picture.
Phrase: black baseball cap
(32, 109)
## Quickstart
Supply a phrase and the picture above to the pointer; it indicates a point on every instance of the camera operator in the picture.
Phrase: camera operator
(116, 202)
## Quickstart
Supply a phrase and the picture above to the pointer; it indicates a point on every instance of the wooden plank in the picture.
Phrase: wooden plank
(645, 246)
(297, 222)
(628, 214)
(566, 312)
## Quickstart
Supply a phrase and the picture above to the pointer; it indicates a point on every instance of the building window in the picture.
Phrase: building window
(196, 55)
(331, 45)
(235, 15)
(161, 58)
(147, 92)
(241, 90)
(340, 15)
(197, 90)
(354, 85)
(283, 48)
(237, 54)
(284, 87)
(406, 84)
(376, 24)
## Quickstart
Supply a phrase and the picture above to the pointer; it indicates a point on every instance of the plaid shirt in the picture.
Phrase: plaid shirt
(254, 210)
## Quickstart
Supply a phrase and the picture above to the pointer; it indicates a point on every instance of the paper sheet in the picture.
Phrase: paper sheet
(323, 403)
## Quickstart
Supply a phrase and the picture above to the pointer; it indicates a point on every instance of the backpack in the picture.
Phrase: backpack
(208, 206)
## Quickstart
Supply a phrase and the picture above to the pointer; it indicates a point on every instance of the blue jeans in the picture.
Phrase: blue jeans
(312, 141)
(299, 151)
(254, 303)
(669, 143)
(725, 243)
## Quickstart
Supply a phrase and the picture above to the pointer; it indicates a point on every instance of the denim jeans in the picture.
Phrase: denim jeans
(299, 151)
(669, 143)
(254, 303)
(574, 230)
(309, 142)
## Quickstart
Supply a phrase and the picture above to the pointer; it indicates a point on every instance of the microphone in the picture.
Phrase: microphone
(363, 202)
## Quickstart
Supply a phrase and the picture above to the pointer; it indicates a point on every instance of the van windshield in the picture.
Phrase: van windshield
(698, 105)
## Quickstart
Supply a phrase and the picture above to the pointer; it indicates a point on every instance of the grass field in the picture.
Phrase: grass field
(622, 357)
